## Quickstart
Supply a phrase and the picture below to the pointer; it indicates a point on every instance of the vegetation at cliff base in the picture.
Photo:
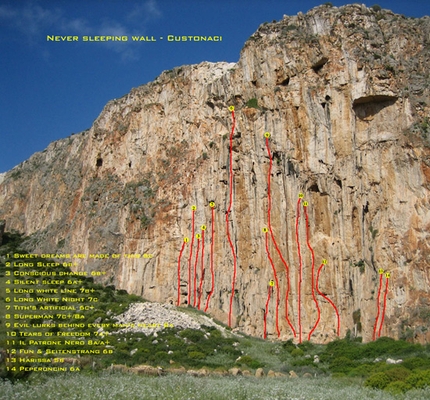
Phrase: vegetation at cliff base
(385, 366)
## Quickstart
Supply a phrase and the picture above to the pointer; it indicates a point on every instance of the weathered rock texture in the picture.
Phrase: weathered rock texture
(344, 93)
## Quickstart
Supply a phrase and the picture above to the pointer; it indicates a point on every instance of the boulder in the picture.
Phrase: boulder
(259, 373)
(293, 374)
(235, 371)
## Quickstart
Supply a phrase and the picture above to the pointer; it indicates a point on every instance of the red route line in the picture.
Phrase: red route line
(269, 289)
(277, 286)
(195, 272)
(212, 259)
(313, 272)
(300, 270)
(269, 209)
(179, 274)
(377, 303)
(227, 222)
(202, 273)
(384, 307)
(332, 304)
(190, 258)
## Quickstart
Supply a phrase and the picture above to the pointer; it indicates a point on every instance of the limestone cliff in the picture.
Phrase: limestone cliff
(344, 93)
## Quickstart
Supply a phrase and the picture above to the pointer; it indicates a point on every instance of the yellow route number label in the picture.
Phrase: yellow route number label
(267, 135)
(265, 230)
(305, 204)
(272, 283)
(212, 204)
(198, 236)
(324, 261)
(194, 208)
(203, 227)
(301, 195)
(388, 275)
(231, 108)
(381, 271)
(186, 240)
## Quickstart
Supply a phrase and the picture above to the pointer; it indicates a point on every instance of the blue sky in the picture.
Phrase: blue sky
(49, 90)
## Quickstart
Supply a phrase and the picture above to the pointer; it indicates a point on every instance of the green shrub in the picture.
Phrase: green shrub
(397, 387)
(416, 363)
(288, 28)
(376, 7)
(387, 346)
(196, 355)
(175, 343)
(250, 362)
(252, 103)
(341, 364)
(230, 350)
(338, 375)
(341, 348)
(363, 371)
(397, 373)
(193, 335)
(289, 345)
(377, 381)
(159, 357)
(306, 346)
(419, 379)
(302, 362)
(244, 360)
(297, 353)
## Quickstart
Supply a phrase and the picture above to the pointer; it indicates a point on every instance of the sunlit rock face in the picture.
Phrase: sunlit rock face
(344, 94)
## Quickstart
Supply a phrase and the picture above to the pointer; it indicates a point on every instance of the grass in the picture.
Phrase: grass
(252, 103)
(118, 386)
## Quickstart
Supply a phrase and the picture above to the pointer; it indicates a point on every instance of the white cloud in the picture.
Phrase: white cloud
(145, 12)
(6, 12)
(32, 20)
(76, 26)
(152, 8)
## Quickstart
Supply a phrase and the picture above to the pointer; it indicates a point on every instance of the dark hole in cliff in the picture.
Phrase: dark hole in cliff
(129, 164)
(366, 208)
(276, 155)
(210, 104)
(327, 98)
(314, 188)
(319, 64)
(368, 106)
(254, 83)
(99, 162)
(338, 183)
(285, 82)
(290, 168)
(351, 290)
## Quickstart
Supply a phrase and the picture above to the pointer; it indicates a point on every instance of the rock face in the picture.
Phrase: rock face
(344, 93)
